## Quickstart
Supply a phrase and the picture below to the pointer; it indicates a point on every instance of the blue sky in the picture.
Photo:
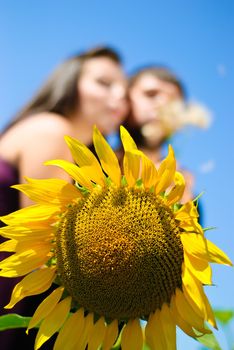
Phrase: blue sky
(194, 38)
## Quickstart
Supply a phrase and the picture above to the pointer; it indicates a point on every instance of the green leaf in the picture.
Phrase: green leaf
(11, 321)
(210, 341)
(224, 316)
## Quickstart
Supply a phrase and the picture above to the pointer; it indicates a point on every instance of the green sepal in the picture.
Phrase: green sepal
(124, 181)
(209, 228)
(209, 340)
(176, 207)
(82, 189)
(139, 183)
(198, 196)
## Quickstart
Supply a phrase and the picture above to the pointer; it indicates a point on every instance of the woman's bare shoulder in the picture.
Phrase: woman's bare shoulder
(37, 131)
(45, 122)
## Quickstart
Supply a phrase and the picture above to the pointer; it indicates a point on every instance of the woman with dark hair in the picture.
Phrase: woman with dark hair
(84, 90)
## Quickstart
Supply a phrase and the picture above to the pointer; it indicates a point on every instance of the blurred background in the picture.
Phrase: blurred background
(194, 39)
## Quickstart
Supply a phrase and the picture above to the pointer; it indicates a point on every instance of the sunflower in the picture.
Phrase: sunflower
(119, 249)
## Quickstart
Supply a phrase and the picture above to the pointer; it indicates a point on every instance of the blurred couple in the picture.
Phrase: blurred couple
(86, 89)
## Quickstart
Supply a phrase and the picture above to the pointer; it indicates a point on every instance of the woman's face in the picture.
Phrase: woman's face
(148, 95)
(102, 91)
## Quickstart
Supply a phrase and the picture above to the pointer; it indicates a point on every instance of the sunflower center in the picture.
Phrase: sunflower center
(119, 253)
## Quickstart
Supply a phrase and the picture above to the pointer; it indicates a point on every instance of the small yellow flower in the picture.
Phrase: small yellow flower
(120, 248)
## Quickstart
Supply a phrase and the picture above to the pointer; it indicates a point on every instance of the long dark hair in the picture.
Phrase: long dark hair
(59, 93)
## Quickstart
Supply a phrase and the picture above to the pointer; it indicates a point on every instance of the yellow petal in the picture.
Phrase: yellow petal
(131, 164)
(190, 239)
(166, 172)
(52, 323)
(97, 335)
(132, 336)
(193, 292)
(34, 244)
(111, 335)
(71, 331)
(143, 167)
(154, 332)
(169, 327)
(216, 255)
(86, 159)
(199, 267)
(187, 313)
(132, 159)
(25, 262)
(25, 216)
(35, 283)
(149, 174)
(191, 226)
(73, 170)
(107, 157)
(8, 246)
(195, 244)
(177, 191)
(47, 305)
(184, 325)
(49, 191)
(199, 246)
(127, 141)
(209, 312)
(89, 173)
(26, 234)
(187, 211)
(87, 330)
